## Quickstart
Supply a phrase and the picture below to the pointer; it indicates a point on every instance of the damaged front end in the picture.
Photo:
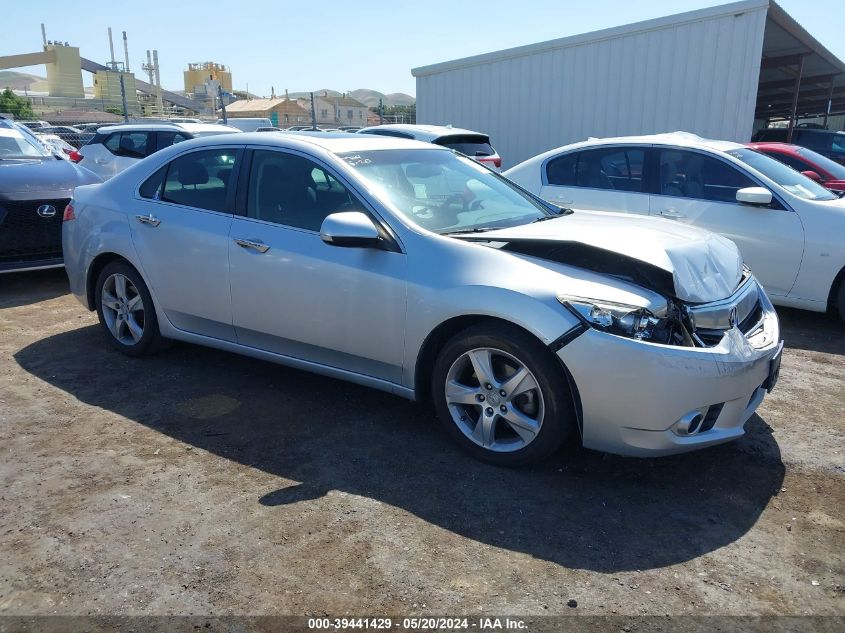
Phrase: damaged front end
(679, 323)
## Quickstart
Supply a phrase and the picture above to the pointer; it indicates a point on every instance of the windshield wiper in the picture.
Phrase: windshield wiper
(477, 229)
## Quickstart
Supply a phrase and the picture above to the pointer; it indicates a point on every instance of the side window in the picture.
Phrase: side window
(838, 143)
(819, 141)
(166, 139)
(201, 179)
(294, 191)
(561, 171)
(622, 168)
(151, 189)
(129, 144)
(611, 169)
(692, 175)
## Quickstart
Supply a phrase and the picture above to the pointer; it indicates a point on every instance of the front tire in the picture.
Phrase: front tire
(840, 301)
(502, 395)
(125, 309)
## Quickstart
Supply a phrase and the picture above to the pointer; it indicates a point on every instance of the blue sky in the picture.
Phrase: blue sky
(342, 45)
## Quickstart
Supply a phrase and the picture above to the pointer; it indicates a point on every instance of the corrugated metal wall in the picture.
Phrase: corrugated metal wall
(700, 76)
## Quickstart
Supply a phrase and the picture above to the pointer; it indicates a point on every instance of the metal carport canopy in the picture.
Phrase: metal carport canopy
(799, 77)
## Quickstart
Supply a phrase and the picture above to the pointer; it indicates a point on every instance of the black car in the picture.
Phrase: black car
(825, 142)
(35, 187)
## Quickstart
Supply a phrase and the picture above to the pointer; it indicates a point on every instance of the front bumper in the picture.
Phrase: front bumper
(641, 399)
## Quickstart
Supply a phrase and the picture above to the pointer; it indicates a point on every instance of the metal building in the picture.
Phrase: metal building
(720, 72)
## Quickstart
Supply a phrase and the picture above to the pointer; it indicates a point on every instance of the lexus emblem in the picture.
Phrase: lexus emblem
(46, 211)
(732, 320)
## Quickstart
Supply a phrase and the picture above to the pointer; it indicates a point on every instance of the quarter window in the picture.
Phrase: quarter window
(611, 169)
(166, 139)
(294, 191)
(201, 180)
(693, 175)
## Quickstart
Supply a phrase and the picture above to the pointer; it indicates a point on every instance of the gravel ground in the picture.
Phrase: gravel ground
(199, 482)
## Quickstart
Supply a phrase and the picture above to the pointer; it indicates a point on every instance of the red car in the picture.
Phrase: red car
(823, 170)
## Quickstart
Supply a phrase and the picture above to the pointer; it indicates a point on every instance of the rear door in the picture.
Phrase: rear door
(180, 229)
(604, 179)
(699, 189)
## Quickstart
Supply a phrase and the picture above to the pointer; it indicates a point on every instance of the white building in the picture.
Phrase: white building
(720, 72)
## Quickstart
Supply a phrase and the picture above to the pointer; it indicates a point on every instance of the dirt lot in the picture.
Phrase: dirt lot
(198, 482)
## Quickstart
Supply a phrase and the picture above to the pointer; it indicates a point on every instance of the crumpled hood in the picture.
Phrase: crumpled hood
(704, 267)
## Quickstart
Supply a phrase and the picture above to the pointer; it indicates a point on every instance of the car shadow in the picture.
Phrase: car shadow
(812, 331)
(581, 509)
(26, 288)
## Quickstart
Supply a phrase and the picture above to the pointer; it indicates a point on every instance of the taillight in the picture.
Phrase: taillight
(69, 214)
(75, 156)
(497, 162)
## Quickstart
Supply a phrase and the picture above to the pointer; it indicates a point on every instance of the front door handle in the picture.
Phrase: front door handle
(148, 219)
(258, 245)
(671, 214)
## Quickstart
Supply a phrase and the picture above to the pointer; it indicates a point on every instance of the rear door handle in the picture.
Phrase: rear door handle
(671, 214)
(258, 245)
(148, 219)
(100, 161)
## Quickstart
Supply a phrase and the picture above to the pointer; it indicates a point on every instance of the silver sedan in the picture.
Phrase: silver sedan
(409, 268)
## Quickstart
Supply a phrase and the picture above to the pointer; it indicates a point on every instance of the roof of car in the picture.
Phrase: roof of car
(424, 132)
(194, 128)
(780, 147)
(334, 142)
(674, 139)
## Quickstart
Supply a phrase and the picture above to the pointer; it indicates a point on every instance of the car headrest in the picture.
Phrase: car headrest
(191, 173)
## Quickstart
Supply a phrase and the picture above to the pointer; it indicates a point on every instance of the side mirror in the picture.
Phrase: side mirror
(812, 175)
(351, 229)
(754, 195)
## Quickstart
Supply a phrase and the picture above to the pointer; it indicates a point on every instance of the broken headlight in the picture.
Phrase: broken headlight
(669, 327)
(615, 318)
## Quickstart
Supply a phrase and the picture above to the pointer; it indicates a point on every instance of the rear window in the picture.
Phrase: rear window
(469, 144)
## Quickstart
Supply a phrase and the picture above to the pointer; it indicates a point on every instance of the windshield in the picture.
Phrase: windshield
(446, 193)
(14, 144)
(794, 182)
(830, 166)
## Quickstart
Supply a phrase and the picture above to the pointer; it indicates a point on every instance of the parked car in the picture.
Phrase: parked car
(56, 143)
(67, 133)
(349, 256)
(34, 125)
(35, 187)
(116, 147)
(473, 144)
(828, 173)
(788, 227)
(825, 142)
(246, 124)
(297, 128)
(270, 128)
(350, 128)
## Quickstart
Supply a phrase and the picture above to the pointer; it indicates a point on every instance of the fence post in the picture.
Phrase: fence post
(123, 99)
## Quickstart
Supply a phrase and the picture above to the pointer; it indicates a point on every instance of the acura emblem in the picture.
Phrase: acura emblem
(732, 320)
(46, 211)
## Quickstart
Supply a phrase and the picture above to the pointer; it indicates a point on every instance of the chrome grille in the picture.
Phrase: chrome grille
(25, 236)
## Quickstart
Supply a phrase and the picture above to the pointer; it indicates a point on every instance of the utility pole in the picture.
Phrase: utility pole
(313, 114)
(123, 99)
(222, 104)
(380, 112)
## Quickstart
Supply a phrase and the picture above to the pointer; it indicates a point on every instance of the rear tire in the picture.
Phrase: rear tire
(125, 309)
(502, 395)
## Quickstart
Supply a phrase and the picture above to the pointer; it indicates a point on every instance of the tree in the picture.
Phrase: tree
(13, 104)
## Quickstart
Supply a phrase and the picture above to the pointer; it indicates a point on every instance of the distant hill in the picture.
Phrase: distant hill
(368, 97)
(22, 81)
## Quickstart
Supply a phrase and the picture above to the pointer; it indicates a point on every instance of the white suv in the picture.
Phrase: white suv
(788, 227)
(116, 147)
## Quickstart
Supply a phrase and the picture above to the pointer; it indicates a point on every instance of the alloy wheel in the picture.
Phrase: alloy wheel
(123, 309)
(494, 399)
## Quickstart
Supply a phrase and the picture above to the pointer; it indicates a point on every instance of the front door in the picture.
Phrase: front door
(180, 229)
(698, 189)
(293, 294)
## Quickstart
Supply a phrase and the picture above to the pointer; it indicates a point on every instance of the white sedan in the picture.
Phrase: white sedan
(790, 230)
